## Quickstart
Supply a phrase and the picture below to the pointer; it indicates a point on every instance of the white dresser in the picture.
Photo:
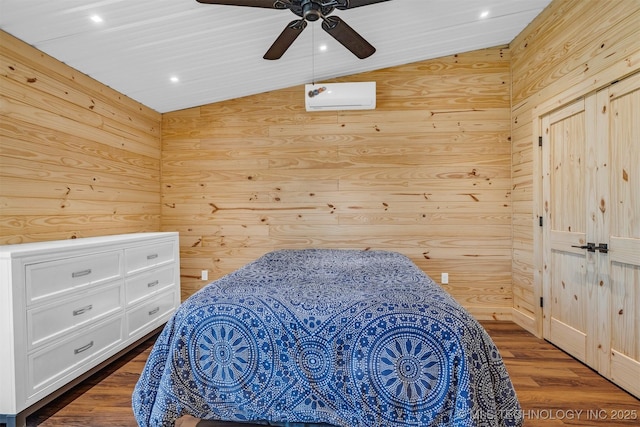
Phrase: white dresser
(68, 305)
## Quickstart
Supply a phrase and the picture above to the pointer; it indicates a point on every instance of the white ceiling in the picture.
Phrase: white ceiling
(216, 51)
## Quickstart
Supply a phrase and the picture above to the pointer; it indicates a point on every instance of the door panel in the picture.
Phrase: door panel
(623, 122)
(567, 267)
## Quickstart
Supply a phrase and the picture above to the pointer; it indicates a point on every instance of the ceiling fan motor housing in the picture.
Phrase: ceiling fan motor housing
(312, 10)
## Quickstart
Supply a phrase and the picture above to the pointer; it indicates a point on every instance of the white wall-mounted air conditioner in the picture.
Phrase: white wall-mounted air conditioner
(340, 96)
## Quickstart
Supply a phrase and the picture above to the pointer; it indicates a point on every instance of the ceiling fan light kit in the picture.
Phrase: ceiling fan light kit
(311, 11)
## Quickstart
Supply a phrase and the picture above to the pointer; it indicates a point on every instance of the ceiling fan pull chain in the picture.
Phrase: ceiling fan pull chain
(313, 55)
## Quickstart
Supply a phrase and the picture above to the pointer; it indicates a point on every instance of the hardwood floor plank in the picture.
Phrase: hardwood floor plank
(554, 389)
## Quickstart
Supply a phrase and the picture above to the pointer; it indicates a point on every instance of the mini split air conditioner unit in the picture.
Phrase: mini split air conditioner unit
(340, 96)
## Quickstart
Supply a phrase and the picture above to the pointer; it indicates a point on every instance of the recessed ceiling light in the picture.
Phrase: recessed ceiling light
(322, 47)
(174, 79)
(484, 14)
(96, 18)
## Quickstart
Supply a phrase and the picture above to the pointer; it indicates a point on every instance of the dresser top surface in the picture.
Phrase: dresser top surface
(84, 242)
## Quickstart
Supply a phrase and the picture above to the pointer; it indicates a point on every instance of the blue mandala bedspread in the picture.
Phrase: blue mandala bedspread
(342, 337)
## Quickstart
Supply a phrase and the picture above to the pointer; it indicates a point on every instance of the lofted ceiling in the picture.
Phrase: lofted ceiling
(215, 52)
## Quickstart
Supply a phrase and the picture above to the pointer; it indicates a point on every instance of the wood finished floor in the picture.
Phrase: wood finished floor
(554, 389)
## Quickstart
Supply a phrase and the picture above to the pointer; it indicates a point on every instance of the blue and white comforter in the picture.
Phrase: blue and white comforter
(343, 337)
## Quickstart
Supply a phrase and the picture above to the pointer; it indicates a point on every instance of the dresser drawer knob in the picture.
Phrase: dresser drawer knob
(83, 348)
(154, 311)
(152, 284)
(81, 273)
(152, 256)
(82, 310)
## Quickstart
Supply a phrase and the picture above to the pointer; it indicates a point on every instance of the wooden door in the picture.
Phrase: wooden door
(591, 239)
(619, 197)
(568, 268)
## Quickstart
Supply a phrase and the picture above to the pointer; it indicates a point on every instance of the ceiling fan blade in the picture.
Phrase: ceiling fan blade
(348, 37)
(285, 39)
(270, 4)
(350, 4)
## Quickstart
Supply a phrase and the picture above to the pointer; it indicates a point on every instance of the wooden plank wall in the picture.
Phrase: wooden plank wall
(565, 47)
(77, 159)
(427, 174)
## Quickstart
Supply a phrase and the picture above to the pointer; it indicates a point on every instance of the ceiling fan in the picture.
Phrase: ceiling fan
(311, 10)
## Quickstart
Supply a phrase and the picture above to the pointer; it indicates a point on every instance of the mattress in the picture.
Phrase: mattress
(326, 336)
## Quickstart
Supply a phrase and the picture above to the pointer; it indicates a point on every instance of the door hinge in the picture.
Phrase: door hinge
(539, 141)
(540, 221)
(541, 302)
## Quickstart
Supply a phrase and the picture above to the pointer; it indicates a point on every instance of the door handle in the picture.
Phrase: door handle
(602, 248)
(590, 247)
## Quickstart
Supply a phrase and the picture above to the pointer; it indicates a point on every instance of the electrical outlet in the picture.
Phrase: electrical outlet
(444, 279)
(204, 275)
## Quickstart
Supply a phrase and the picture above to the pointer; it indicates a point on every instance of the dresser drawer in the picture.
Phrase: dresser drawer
(62, 317)
(146, 284)
(52, 363)
(150, 312)
(51, 278)
(148, 256)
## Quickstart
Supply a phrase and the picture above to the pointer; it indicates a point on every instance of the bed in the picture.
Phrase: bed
(326, 336)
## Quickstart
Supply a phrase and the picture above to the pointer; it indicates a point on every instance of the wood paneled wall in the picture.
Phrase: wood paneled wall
(565, 47)
(430, 172)
(77, 159)
(427, 174)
